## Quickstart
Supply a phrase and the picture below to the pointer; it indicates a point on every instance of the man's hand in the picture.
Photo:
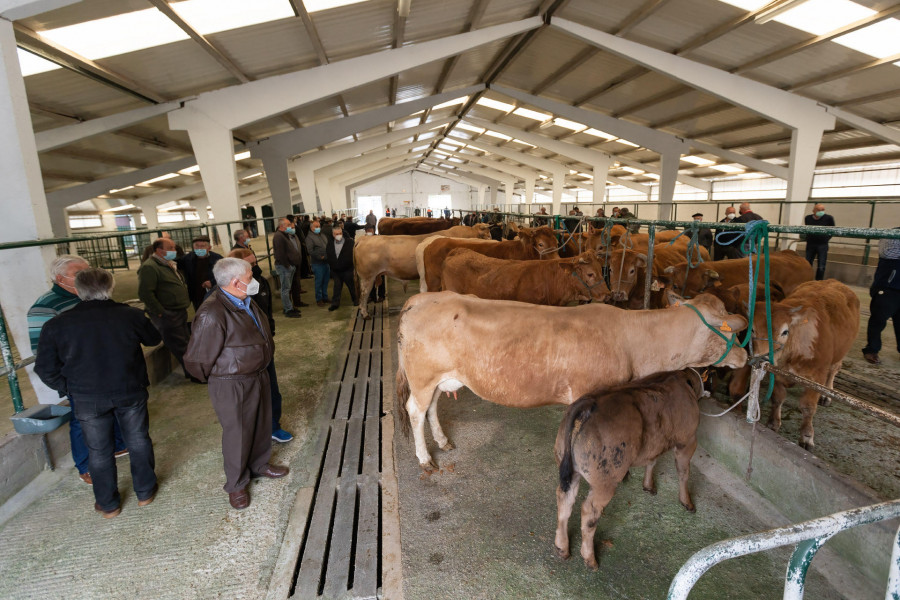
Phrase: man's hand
(207, 285)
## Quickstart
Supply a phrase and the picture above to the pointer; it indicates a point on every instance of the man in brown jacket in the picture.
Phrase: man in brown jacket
(231, 346)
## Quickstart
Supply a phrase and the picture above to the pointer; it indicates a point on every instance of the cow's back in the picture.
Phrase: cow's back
(432, 252)
(466, 271)
(407, 227)
(837, 313)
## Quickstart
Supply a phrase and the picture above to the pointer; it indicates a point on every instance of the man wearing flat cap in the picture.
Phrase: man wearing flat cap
(704, 236)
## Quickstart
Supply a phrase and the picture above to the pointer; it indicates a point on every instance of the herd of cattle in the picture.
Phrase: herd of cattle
(629, 400)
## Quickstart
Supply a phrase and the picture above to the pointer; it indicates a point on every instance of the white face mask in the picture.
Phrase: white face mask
(338, 238)
(729, 216)
(369, 233)
(252, 287)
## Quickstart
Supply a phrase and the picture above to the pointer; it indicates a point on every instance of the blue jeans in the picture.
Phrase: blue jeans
(97, 417)
(322, 274)
(286, 277)
(79, 449)
(276, 396)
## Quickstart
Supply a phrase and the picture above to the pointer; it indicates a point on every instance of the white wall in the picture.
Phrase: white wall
(410, 190)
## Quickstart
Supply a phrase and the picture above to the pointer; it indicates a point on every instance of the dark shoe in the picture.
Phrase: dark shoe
(239, 499)
(302, 304)
(121, 453)
(321, 303)
(332, 307)
(294, 314)
(86, 477)
(306, 277)
(872, 357)
(273, 471)
(108, 514)
(149, 499)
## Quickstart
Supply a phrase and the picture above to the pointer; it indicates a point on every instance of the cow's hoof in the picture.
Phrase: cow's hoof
(429, 467)
(563, 554)
(448, 446)
(651, 490)
(824, 401)
(367, 317)
(773, 425)
(591, 563)
(689, 507)
(808, 446)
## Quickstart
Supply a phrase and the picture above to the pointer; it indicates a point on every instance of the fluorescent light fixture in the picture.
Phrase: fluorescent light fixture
(32, 64)
(569, 124)
(599, 134)
(156, 179)
(728, 168)
(251, 176)
(821, 16)
(242, 155)
(119, 208)
(497, 135)
(632, 170)
(450, 103)
(702, 162)
(130, 187)
(468, 127)
(496, 104)
(651, 175)
(518, 141)
(627, 143)
(878, 40)
(317, 5)
(190, 170)
(532, 114)
(212, 16)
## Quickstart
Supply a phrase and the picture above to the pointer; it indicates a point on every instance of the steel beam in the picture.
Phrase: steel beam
(63, 136)
(13, 10)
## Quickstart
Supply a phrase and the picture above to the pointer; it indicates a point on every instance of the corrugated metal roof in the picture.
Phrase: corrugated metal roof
(357, 29)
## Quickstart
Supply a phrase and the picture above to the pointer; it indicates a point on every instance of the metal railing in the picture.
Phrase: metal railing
(808, 537)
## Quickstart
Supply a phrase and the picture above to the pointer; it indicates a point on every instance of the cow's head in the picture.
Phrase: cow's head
(794, 330)
(713, 345)
(689, 283)
(483, 229)
(624, 268)
(587, 270)
(542, 240)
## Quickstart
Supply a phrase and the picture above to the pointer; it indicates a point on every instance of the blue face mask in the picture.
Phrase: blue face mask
(289, 230)
(171, 254)
(201, 252)
(317, 230)
(820, 213)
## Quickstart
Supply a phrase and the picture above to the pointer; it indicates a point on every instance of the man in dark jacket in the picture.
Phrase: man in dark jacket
(241, 240)
(340, 261)
(817, 245)
(704, 235)
(286, 249)
(231, 347)
(197, 267)
(885, 292)
(723, 251)
(747, 216)
(93, 352)
(316, 243)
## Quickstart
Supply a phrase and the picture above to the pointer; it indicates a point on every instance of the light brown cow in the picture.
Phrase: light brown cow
(555, 282)
(814, 328)
(447, 341)
(539, 242)
(640, 242)
(786, 268)
(395, 256)
(628, 273)
(603, 434)
(414, 225)
(592, 239)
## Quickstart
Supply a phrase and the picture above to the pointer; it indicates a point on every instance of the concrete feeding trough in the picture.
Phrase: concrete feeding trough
(41, 418)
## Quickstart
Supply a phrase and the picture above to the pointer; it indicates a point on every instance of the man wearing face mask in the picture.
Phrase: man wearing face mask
(704, 235)
(286, 249)
(197, 267)
(816, 244)
(340, 262)
(722, 251)
(231, 348)
(165, 296)
(317, 244)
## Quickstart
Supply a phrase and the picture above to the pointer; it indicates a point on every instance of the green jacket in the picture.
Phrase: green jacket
(161, 287)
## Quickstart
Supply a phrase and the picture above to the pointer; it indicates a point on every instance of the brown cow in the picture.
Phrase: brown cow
(737, 297)
(539, 242)
(786, 268)
(603, 434)
(627, 273)
(414, 225)
(395, 256)
(640, 242)
(556, 282)
(448, 341)
(592, 239)
(814, 328)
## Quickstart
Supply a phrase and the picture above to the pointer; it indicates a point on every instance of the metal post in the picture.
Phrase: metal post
(650, 241)
(867, 250)
(795, 578)
(780, 213)
(10, 365)
(269, 250)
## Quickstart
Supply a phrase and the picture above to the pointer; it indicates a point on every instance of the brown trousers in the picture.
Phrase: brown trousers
(244, 408)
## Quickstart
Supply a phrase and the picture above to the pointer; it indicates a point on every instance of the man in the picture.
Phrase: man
(241, 240)
(61, 297)
(601, 213)
(165, 296)
(723, 251)
(197, 267)
(387, 212)
(704, 235)
(885, 292)
(543, 220)
(394, 213)
(616, 212)
(231, 347)
(93, 352)
(317, 244)
(624, 213)
(371, 219)
(817, 245)
(263, 299)
(340, 262)
(286, 249)
(746, 216)
(429, 213)
(350, 227)
(296, 283)
(302, 232)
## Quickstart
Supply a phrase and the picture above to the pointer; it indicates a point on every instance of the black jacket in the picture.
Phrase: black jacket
(286, 248)
(344, 262)
(94, 351)
(747, 217)
(188, 264)
(823, 221)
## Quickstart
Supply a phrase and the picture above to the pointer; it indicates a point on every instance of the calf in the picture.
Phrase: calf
(603, 434)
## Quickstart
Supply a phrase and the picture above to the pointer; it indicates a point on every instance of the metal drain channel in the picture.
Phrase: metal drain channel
(340, 555)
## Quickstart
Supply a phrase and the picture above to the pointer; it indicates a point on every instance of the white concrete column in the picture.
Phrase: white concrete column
(59, 221)
(279, 182)
(669, 163)
(529, 191)
(600, 171)
(148, 207)
(24, 207)
(558, 184)
(482, 190)
(805, 142)
(306, 179)
(494, 194)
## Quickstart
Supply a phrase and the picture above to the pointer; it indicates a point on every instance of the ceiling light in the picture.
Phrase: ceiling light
(156, 179)
(181, 206)
(450, 103)
(118, 208)
(651, 175)
(701, 162)
(121, 189)
(599, 134)
(242, 155)
(190, 170)
(574, 126)
(518, 141)
(495, 104)
(468, 127)
(251, 176)
(532, 114)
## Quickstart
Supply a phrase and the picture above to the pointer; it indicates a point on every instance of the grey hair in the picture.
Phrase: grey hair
(239, 234)
(94, 284)
(227, 269)
(60, 264)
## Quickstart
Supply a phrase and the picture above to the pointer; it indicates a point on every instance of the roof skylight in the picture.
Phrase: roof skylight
(468, 127)
(450, 103)
(157, 179)
(317, 5)
(821, 16)
(190, 170)
(497, 135)
(879, 40)
(212, 16)
(32, 64)
(495, 104)
(599, 134)
(700, 162)
(632, 170)
(242, 155)
(626, 142)
(532, 114)
(574, 126)
(728, 168)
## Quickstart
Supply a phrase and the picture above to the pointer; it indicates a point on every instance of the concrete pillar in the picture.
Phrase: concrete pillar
(306, 179)
(805, 143)
(24, 207)
(494, 194)
(482, 189)
(59, 221)
(279, 183)
(529, 192)
(669, 163)
(600, 171)
(559, 181)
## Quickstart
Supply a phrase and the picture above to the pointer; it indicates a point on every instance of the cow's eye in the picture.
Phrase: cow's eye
(784, 332)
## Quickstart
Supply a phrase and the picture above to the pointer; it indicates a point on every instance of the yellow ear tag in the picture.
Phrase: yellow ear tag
(805, 321)
(677, 303)
(725, 327)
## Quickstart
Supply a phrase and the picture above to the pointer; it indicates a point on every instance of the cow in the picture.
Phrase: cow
(640, 242)
(592, 239)
(555, 282)
(737, 297)
(447, 341)
(539, 242)
(786, 268)
(395, 256)
(605, 433)
(627, 273)
(814, 328)
(414, 225)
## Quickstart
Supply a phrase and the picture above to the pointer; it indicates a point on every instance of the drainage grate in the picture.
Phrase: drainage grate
(340, 556)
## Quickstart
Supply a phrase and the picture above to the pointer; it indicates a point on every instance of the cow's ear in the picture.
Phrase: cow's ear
(736, 322)
(614, 240)
(712, 274)
(673, 298)
(640, 260)
(583, 260)
(670, 270)
(799, 314)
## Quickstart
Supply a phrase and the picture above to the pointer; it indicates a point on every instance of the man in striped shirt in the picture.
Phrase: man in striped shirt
(61, 298)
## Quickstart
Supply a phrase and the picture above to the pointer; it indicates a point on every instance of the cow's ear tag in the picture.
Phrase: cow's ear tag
(805, 321)
(677, 303)
(725, 326)
(654, 287)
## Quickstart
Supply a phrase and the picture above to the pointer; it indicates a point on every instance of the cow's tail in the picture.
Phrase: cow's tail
(577, 414)
(420, 262)
(402, 387)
